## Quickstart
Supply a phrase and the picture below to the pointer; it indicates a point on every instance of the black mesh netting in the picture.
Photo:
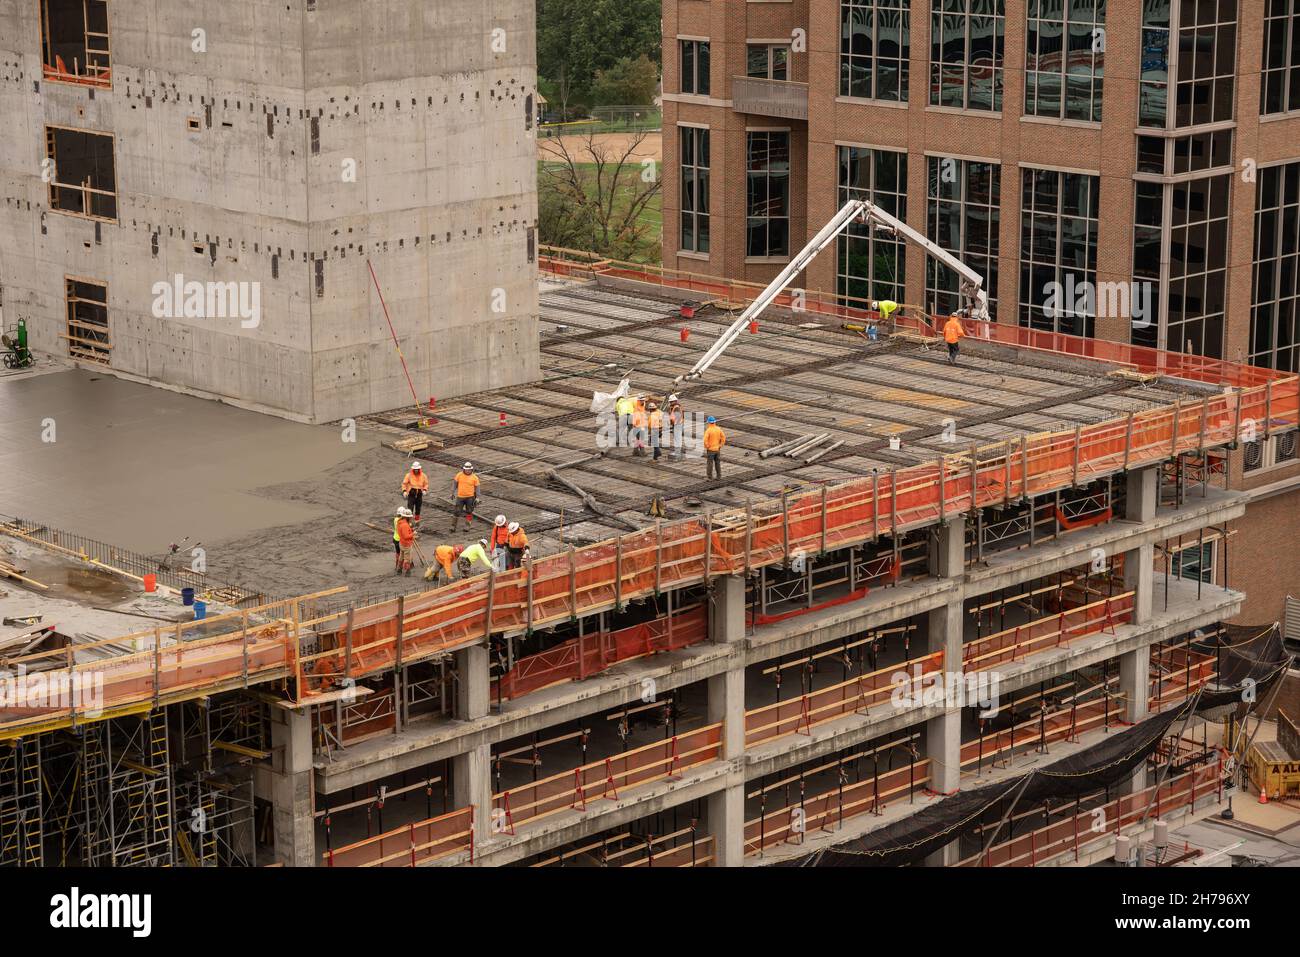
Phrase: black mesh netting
(1250, 659)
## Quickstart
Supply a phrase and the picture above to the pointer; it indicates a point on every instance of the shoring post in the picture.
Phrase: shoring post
(1200, 448)
(573, 584)
(708, 547)
(412, 835)
(1268, 406)
(528, 575)
(579, 794)
(347, 644)
(825, 518)
(1024, 474)
(974, 476)
(943, 507)
(1128, 441)
(749, 535)
(491, 598)
(1173, 431)
(1236, 425)
(618, 574)
(157, 663)
(244, 643)
(875, 505)
(659, 555)
(1006, 481)
(1078, 444)
(785, 526)
(893, 502)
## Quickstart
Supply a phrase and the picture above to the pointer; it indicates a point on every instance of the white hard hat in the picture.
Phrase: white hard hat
(483, 542)
(501, 519)
(415, 466)
(468, 466)
(405, 512)
(514, 527)
(673, 397)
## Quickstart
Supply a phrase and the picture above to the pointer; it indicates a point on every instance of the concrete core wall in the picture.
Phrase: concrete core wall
(304, 140)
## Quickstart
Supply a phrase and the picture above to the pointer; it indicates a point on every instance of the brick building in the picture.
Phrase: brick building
(1150, 149)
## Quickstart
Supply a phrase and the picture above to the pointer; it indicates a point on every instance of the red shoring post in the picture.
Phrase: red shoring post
(609, 781)
(674, 760)
(412, 833)
(580, 796)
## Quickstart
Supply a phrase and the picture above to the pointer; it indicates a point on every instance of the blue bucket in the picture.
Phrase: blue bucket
(187, 596)
(200, 610)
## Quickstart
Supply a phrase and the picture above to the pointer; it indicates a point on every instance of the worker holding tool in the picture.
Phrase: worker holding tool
(414, 486)
(677, 424)
(655, 422)
(402, 512)
(624, 408)
(952, 333)
(464, 488)
(886, 308)
(498, 542)
(406, 540)
(517, 545)
(445, 556)
(475, 553)
(714, 440)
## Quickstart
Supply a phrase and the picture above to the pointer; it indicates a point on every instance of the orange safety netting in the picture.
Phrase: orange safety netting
(1053, 631)
(411, 844)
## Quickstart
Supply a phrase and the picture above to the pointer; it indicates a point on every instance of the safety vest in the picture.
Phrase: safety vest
(952, 331)
(396, 537)
(656, 420)
(519, 540)
(466, 485)
(500, 536)
(714, 438)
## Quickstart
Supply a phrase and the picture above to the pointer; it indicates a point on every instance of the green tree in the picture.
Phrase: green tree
(628, 82)
(578, 38)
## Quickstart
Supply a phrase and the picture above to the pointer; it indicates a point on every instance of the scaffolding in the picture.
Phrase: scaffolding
(126, 792)
(21, 805)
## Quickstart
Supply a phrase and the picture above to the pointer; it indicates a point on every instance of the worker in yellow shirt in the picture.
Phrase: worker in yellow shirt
(714, 440)
(952, 333)
(624, 408)
(414, 486)
(464, 488)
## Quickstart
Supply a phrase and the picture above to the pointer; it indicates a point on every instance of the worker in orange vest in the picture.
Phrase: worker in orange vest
(406, 540)
(414, 486)
(714, 440)
(952, 333)
(655, 421)
(445, 556)
(498, 542)
(464, 488)
(517, 546)
(676, 424)
(639, 425)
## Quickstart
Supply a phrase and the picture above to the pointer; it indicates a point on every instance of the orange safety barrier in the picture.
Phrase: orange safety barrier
(605, 778)
(560, 587)
(825, 811)
(855, 696)
(1075, 833)
(590, 654)
(411, 844)
(1054, 631)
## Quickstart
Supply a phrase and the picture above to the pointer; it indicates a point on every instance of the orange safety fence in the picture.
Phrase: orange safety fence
(855, 696)
(1053, 631)
(697, 852)
(411, 844)
(827, 810)
(1076, 833)
(590, 654)
(638, 565)
(607, 777)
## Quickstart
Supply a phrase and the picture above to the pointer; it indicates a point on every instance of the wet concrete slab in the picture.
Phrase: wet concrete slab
(142, 467)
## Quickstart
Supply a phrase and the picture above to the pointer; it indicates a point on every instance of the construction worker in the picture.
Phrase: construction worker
(518, 545)
(886, 308)
(624, 408)
(498, 542)
(952, 333)
(475, 553)
(406, 540)
(464, 488)
(639, 425)
(677, 425)
(714, 440)
(445, 556)
(402, 512)
(655, 421)
(414, 486)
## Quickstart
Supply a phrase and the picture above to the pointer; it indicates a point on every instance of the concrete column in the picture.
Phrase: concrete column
(726, 694)
(1141, 496)
(471, 772)
(291, 786)
(944, 632)
(1135, 686)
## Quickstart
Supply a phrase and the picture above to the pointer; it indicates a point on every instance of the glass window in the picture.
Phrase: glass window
(962, 216)
(871, 264)
(1065, 52)
(1058, 251)
(769, 61)
(1207, 62)
(966, 41)
(1279, 89)
(695, 189)
(875, 47)
(767, 181)
(695, 66)
(1275, 297)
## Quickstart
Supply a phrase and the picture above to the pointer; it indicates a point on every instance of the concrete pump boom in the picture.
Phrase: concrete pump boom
(972, 283)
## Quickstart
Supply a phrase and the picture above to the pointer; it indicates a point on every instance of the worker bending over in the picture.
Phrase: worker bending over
(445, 556)
(414, 486)
(714, 440)
(952, 333)
(405, 540)
(498, 541)
(517, 545)
(464, 487)
(475, 553)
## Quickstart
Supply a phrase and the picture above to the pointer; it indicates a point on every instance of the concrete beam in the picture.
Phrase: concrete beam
(726, 703)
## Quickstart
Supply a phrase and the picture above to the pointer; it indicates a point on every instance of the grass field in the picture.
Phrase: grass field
(649, 250)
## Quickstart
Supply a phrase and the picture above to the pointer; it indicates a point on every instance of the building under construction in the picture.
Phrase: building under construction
(914, 581)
